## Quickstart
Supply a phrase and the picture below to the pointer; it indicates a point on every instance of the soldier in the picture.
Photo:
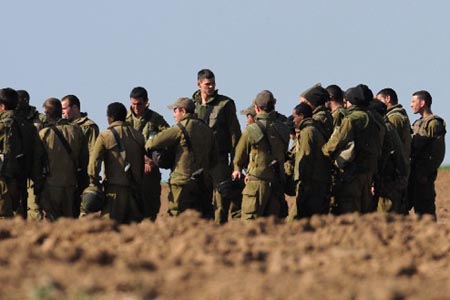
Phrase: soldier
(149, 123)
(121, 149)
(219, 112)
(427, 154)
(27, 114)
(67, 154)
(392, 175)
(263, 146)
(316, 97)
(192, 142)
(250, 113)
(358, 138)
(71, 109)
(336, 104)
(312, 170)
(398, 117)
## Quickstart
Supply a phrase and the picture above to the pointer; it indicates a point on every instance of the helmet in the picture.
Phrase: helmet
(92, 199)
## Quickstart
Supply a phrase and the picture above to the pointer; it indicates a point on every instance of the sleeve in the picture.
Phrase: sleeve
(304, 156)
(233, 123)
(166, 138)
(242, 153)
(96, 158)
(92, 134)
(339, 139)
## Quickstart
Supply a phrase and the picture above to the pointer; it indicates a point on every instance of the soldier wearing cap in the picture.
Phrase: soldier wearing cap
(312, 170)
(219, 113)
(121, 149)
(336, 104)
(427, 154)
(359, 139)
(250, 113)
(149, 123)
(263, 146)
(316, 97)
(193, 143)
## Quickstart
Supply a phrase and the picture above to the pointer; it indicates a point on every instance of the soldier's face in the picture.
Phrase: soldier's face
(177, 114)
(381, 98)
(138, 106)
(207, 86)
(296, 118)
(250, 119)
(417, 104)
(68, 112)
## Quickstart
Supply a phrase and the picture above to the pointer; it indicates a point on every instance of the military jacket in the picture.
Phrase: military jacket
(63, 166)
(149, 124)
(428, 145)
(310, 163)
(107, 150)
(89, 128)
(30, 114)
(394, 166)
(203, 153)
(259, 150)
(398, 117)
(323, 116)
(358, 127)
(219, 113)
(11, 146)
(338, 114)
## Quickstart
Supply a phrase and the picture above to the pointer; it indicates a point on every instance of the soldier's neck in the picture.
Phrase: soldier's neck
(426, 113)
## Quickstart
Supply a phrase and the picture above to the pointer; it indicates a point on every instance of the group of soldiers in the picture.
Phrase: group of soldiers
(350, 152)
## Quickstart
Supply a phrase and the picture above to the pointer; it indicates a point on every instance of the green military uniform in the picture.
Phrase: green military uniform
(322, 115)
(57, 198)
(427, 154)
(398, 117)
(352, 192)
(219, 113)
(149, 124)
(258, 150)
(391, 180)
(312, 172)
(187, 192)
(122, 188)
(338, 114)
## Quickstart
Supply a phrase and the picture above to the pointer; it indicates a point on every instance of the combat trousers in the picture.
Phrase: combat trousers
(224, 206)
(189, 195)
(422, 195)
(121, 204)
(34, 211)
(390, 198)
(5, 200)
(259, 199)
(312, 197)
(58, 201)
(151, 193)
(354, 195)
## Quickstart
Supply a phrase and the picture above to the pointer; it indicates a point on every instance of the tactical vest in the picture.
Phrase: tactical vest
(11, 148)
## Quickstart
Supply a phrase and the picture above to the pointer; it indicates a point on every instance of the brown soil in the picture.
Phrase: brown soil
(349, 257)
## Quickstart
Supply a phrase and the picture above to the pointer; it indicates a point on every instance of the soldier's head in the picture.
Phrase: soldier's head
(181, 107)
(116, 112)
(359, 95)
(8, 99)
(71, 107)
(250, 113)
(388, 96)
(206, 82)
(315, 96)
(264, 102)
(336, 96)
(421, 102)
(301, 112)
(24, 100)
(139, 100)
(52, 109)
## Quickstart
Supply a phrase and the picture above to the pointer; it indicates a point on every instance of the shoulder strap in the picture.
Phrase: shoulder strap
(264, 131)
(121, 147)
(62, 139)
(186, 137)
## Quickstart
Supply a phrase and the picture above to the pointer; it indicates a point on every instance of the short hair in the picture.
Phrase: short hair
(73, 100)
(23, 96)
(267, 108)
(389, 92)
(9, 98)
(139, 93)
(336, 93)
(303, 109)
(54, 107)
(116, 111)
(424, 95)
(205, 74)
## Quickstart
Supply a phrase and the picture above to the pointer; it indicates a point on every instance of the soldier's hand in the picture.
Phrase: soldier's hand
(236, 175)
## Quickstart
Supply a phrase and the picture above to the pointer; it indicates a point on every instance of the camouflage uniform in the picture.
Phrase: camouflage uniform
(122, 188)
(398, 117)
(260, 196)
(427, 154)
(149, 124)
(322, 115)
(219, 113)
(338, 114)
(186, 190)
(312, 172)
(353, 187)
(57, 198)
